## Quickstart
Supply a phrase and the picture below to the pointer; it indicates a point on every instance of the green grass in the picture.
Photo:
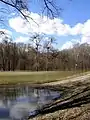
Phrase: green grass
(33, 77)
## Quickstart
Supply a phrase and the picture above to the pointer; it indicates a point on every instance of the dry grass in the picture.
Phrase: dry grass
(77, 113)
(79, 93)
(34, 77)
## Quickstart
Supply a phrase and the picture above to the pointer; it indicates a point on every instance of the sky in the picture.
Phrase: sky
(70, 27)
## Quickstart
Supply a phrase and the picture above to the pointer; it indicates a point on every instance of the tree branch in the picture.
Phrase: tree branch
(52, 9)
(14, 5)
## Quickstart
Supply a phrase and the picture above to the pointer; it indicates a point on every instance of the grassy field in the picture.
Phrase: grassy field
(33, 77)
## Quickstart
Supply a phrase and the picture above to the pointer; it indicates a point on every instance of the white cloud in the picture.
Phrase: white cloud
(7, 33)
(76, 29)
(85, 39)
(86, 28)
(54, 26)
(67, 45)
(19, 25)
(70, 44)
(75, 41)
(47, 26)
(22, 39)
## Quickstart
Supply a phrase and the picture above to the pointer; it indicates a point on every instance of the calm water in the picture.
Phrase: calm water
(17, 103)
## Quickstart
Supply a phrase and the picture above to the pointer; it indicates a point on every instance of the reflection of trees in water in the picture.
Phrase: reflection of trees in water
(12, 93)
(9, 93)
(24, 94)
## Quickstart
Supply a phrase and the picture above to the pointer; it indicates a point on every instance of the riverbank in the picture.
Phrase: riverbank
(35, 77)
(77, 113)
(74, 105)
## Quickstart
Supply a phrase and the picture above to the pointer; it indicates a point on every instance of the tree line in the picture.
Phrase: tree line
(40, 55)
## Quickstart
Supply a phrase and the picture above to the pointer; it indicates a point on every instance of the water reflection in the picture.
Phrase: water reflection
(17, 103)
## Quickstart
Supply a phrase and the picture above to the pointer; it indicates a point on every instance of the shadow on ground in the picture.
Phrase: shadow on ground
(75, 100)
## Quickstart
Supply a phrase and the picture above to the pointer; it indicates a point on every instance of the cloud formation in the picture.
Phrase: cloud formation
(49, 26)
(22, 39)
(7, 33)
(69, 44)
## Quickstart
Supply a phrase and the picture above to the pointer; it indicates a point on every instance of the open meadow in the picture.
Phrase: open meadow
(34, 77)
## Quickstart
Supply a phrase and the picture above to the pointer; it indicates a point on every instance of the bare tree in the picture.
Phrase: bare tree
(36, 40)
(48, 45)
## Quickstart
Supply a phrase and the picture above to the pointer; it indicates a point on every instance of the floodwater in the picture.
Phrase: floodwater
(17, 103)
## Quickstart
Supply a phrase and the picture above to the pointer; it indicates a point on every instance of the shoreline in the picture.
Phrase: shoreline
(76, 100)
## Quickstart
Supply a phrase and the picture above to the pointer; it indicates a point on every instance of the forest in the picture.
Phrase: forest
(41, 55)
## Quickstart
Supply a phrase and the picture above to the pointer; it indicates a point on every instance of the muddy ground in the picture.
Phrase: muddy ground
(74, 103)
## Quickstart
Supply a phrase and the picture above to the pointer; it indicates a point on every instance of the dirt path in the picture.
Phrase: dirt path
(79, 78)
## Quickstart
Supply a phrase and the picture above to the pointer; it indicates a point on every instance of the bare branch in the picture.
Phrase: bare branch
(51, 8)
(16, 6)
(19, 5)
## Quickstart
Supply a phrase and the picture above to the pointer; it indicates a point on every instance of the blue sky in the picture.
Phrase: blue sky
(75, 13)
